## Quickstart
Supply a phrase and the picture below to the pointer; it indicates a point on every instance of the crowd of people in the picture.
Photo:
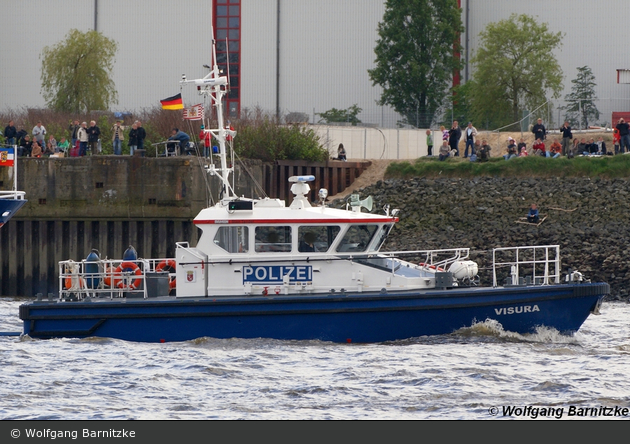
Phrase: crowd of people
(81, 140)
(563, 145)
(84, 139)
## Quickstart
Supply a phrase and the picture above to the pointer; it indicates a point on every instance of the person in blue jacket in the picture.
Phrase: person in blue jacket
(181, 137)
(532, 216)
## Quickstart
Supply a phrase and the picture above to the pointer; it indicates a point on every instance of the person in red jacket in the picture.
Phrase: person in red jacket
(555, 150)
(205, 136)
(539, 148)
(616, 140)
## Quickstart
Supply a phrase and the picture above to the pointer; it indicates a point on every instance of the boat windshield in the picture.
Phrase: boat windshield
(357, 238)
(316, 238)
(380, 237)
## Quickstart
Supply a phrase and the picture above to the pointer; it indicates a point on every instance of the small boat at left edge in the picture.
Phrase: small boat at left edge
(10, 201)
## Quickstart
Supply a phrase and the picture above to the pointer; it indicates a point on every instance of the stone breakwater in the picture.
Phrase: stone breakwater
(588, 218)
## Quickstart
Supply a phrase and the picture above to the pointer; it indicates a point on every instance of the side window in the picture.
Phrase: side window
(233, 239)
(273, 239)
(357, 238)
(316, 238)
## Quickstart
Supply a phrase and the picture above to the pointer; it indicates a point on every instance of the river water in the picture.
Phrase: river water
(476, 373)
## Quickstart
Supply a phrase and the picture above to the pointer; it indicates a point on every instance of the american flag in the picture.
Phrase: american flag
(194, 112)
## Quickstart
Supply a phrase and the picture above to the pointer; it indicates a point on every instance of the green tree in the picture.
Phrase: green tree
(415, 58)
(76, 73)
(514, 69)
(341, 115)
(581, 101)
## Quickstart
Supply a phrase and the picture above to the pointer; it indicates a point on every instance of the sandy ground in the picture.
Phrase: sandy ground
(373, 174)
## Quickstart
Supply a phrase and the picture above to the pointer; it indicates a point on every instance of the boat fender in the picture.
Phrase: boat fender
(91, 268)
(169, 264)
(135, 269)
(130, 254)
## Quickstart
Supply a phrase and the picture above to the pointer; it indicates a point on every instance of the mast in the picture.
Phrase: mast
(214, 85)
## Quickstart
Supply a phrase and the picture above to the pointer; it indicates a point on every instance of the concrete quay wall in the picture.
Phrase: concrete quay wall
(110, 202)
(106, 203)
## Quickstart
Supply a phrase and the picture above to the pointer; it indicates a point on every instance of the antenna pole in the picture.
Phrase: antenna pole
(215, 86)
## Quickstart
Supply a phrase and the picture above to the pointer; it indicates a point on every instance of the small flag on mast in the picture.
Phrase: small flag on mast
(7, 157)
(174, 102)
(194, 112)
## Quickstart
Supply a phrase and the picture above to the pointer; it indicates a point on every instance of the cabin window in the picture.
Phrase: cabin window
(357, 238)
(273, 239)
(316, 238)
(233, 239)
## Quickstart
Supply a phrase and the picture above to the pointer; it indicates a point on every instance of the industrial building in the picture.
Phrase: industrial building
(285, 56)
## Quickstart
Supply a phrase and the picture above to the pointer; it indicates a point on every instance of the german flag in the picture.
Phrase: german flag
(174, 102)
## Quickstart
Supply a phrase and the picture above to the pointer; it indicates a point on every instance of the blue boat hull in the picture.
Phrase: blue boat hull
(8, 208)
(361, 318)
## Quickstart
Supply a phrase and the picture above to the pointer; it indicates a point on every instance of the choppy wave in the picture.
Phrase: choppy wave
(456, 376)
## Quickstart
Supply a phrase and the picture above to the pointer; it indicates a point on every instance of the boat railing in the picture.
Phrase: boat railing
(113, 278)
(19, 195)
(526, 265)
(438, 260)
(192, 251)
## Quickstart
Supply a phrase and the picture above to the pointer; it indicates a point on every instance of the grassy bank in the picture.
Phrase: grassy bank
(608, 167)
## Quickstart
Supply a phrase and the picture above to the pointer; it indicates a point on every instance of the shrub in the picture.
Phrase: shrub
(259, 134)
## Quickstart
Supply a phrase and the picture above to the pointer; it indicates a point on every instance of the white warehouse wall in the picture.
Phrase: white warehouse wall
(326, 47)
(325, 50)
(593, 36)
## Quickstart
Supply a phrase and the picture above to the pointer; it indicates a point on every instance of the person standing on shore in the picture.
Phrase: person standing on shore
(429, 142)
(94, 133)
(73, 129)
(454, 135)
(82, 137)
(39, 131)
(624, 136)
(142, 134)
(205, 136)
(539, 130)
(471, 133)
(566, 138)
(9, 133)
(616, 140)
(117, 138)
(133, 139)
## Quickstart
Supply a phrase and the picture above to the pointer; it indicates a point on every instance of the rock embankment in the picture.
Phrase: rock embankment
(588, 218)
